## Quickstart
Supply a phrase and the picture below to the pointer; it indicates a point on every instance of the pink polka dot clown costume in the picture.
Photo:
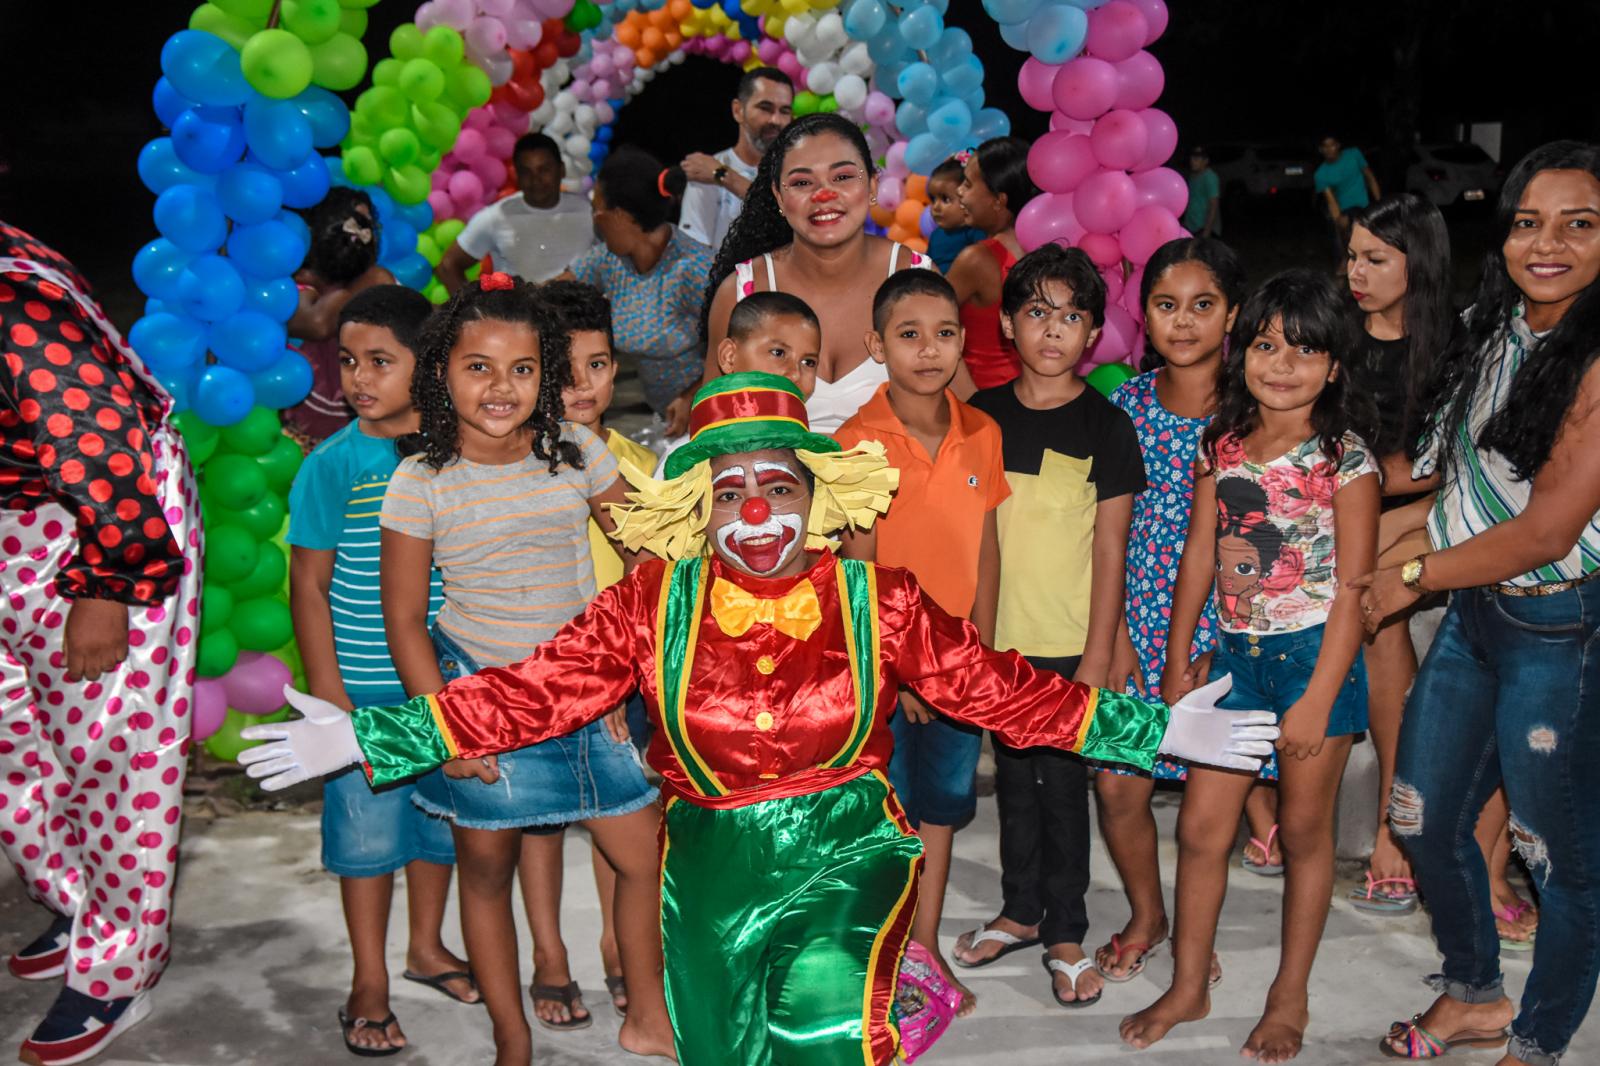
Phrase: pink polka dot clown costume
(99, 542)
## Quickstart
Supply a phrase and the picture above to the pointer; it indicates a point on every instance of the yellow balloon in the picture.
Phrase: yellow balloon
(775, 24)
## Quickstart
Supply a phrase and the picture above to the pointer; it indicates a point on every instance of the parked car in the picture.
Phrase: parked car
(1452, 172)
(1262, 169)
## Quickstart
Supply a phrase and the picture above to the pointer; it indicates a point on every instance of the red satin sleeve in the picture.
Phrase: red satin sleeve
(943, 659)
(582, 672)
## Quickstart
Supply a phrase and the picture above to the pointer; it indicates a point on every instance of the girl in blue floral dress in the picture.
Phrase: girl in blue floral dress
(1191, 293)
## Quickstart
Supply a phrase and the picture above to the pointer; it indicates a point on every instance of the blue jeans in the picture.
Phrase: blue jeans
(934, 769)
(1509, 693)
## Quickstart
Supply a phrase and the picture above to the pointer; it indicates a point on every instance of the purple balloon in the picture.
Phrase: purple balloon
(1059, 161)
(210, 707)
(1116, 31)
(1105, 201)
(926, 225)
(1139, 82)
(1034, 80)
(1119, 140)
(1085, 88)
(1162, 187)
(255, 684)
(1163, 138)
(1149, 228)
(1048, 217)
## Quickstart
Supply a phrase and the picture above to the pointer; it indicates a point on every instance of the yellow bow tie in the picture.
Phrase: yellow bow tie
(796, 613)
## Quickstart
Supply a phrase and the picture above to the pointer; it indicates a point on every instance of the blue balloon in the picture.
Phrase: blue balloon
(941, 6)
(953, 44)
(248, 340)
(209, 139)
(204, 68)
(418, 216)
(920, 27)
(888, 45)
(222, 396)
(168, 102)
(168, 342)
(911, 119)
(209, 289)
(249, 193)
(396, 240)
(190, 217)
(924, 152)
(160, 168)
(865, 19)
(988, 123)
(1015, 34)
(277, 133)
(382, 202)
(962, 76)
(267, 249)
(411, 270)
(950, 121)
(180, 386)
(158, 269)
(306, 184)
(325, 113)
(918, 84)
(284, 383)
(604, 134)
(277, 298)
(1056, 33)
(293, 220)
(1010, 11)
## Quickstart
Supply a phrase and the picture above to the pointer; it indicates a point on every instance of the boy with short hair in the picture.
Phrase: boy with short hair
(338, 622)
(955, 230)
(942, 527)
(1073, 464)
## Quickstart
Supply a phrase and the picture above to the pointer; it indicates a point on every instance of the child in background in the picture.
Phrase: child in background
(333, 538)
(585, 316)
(1191, 293)
(499, 497)
(995, 184)
(953, 229)
(942, 528)
(1285, 509)
(1072, 462)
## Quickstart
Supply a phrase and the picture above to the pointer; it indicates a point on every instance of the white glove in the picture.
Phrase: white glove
(1200, 732)
(314, 746)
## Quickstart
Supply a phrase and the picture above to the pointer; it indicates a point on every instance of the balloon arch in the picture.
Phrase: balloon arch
(248, 93)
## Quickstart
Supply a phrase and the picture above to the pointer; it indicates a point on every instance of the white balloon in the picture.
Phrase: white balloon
(560, 125)
(585, 119)
(647, 74)
(577, 146)
(581, 167)
(823, 77)
(499, 68)
(850, 90)
(830, 30)
(677, 57)
(856, 59)
(566, 101)
(797, 30)
(541, 115)
(562, 69)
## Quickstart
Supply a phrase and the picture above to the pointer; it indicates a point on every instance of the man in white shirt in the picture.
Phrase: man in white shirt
(763, 106)
(533, 233)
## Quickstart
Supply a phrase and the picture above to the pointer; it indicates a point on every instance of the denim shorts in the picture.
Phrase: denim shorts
(582, 775)
(934, 769)
(367, 833)
(1271, 671)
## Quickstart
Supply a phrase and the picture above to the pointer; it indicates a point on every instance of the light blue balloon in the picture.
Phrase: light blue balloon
(267, 249)
(249, 193)
(277, 298)
(973, 99)
(1056, 32)
(924, 152)
(888, 45)
(865, 19)
(190, 217)
(941, 6)
(223, 395)
(911, 119)
(160, 168)
(988, 123)
(168, 342)
(306, 184)
(158, 269)
(888, 72)
(920, 27)
(918, 84)
(962, 76)
(278, 134)
(168, 102)
(209, 139)
(1088, 5)
(327, 115)
(953, 44)
(950, 121)
(284, 383)
(204, 68)
(1007, 12)
(1015, 34)
(209, 289)
(248, 341)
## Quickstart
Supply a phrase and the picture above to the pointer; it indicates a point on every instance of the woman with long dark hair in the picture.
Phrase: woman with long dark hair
(1508, 692)
(994, 187)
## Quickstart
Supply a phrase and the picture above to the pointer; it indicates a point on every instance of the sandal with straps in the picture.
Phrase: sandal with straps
(1373, 898)
(1073, 970)
(1421, 1044)
(1511, 915)
(349, 1026)
(1266, 867)
(1119, 949)
(973, 937)
(568, 996)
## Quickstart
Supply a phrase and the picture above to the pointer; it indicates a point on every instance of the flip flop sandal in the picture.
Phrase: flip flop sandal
(1372, 898)
(440, 982)
(1421, 1044)
(1215, 977)
(1509, 915)
(349, 1026)
(617, 986)
(1264, 868)
(974, 937)
(567, 996)
(1119, 949)
(1073, 970)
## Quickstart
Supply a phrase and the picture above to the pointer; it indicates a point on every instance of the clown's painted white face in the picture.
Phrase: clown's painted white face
(759, 506)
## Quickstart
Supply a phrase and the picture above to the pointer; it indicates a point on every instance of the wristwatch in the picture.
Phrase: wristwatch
(718, 174)
(1411, 574)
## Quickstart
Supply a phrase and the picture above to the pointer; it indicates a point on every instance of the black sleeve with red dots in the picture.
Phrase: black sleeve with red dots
(75, 425)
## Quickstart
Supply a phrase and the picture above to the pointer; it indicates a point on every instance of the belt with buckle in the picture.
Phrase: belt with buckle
(1549, 589)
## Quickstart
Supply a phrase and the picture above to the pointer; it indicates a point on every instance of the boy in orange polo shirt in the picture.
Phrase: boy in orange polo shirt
(942, 527)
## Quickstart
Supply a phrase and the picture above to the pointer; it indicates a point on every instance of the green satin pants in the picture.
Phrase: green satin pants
(783, 924)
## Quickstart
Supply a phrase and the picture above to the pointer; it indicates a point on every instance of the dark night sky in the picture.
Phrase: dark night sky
(1235, 69)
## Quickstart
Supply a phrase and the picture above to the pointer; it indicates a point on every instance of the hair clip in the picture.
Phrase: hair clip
(493, 280)
(964, 156)
(661, 183)
(356, 229)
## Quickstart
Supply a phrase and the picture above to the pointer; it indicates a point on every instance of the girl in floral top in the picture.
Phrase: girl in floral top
(1281, 483)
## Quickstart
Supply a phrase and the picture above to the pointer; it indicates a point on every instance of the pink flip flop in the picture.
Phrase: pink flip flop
(1264, 868)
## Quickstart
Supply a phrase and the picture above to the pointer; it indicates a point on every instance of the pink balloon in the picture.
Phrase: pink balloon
(486, 36)
(457, 14)
(890, 192)
(427, 17)
(479, 118)
(790, 65)
(1105, 201)
(498, 8)
(1059, 161)
(1067, 124)
(1162, 187)
(1102, 248)
(1163, 138)
(466, 190)
(1130, 294)
(1116, 31)
(894, 160)
(491, 174)
(443, 206)
(1149, 228)
(255, 684)
(470, 146)
(1085, 87)
(523, 34)
(769, 50)
(1048, 217)
(440, 175)
(1155, 18)
(499, 141)
(1112, 277)
(1116, 336)
(738, 51)
(604, 114)
(879, 108)
(508, 114)
(210, 707)
(1140, 80)
(1119, 140)
(1034, 80)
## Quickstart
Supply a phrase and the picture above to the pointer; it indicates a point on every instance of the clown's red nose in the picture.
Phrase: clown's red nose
(755, 511)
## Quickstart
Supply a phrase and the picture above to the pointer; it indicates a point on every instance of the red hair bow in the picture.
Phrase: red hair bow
(1238, 524)
(495, 280)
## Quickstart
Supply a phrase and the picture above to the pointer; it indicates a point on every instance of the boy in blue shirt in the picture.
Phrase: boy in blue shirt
(338, 622)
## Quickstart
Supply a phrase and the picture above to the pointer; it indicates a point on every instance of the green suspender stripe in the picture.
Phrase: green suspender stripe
(683, 594)
(858, 599)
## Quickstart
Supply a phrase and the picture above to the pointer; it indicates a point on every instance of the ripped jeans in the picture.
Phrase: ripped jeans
(1510, 691)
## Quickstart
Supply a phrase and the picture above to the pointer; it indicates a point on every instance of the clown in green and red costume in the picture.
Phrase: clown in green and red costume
(769, 667)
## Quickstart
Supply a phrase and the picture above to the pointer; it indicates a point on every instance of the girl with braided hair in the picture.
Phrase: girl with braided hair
(497, 494)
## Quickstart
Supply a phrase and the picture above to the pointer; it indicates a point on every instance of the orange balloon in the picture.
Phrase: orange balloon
(881, 215)
(661, 18)
(900, 234)
(681, 9)
(674, 39)
(917, 188)
(646, 58)
(916, 244)
(653, 40)
(909, 214)
(628, 33)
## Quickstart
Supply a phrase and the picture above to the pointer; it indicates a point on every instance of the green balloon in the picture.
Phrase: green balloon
(421, 80)
(199, 436)
(584, 15)
(266, 578)
(261, 624)
(235, 481)
(408, 184)
(231, 28)
(226, 743)
(254, 434)
(313, 21)
(216, 607)
(436, 124)
(827, 105)
(399, 146)
(231, 553)
(805, 103)
(353, 22)
(436, 292)
(339, 62)
(218, 652)
(1106, 377)
(446, 232)
(444, 46)
(361, 165)
(428, 248)
(356, 5)
(265, 517)
(255, 10)
(386, 72)
(406, 42)
(281, 464)
(385, 107)
(429, 159)
(474, 272)
(276, 63)
(468, 87)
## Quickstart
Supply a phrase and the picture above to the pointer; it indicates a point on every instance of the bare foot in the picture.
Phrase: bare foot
(373, 1005)
(1278, 1035)
(1090, 983)
(439, 960)
(1155, 1021)
(1447, 1019)
(1119, 967)
(641, 1037)
(968, 955)
(1387, 861)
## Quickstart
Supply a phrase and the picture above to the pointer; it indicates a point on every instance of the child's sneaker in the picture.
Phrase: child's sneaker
(46, 957)
(79, 1027)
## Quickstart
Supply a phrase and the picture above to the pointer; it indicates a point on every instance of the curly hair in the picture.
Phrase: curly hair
(760, 227)
(1315, 312)
(339, 253)
(439, 439)
(578, 306)
(1524, 427)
